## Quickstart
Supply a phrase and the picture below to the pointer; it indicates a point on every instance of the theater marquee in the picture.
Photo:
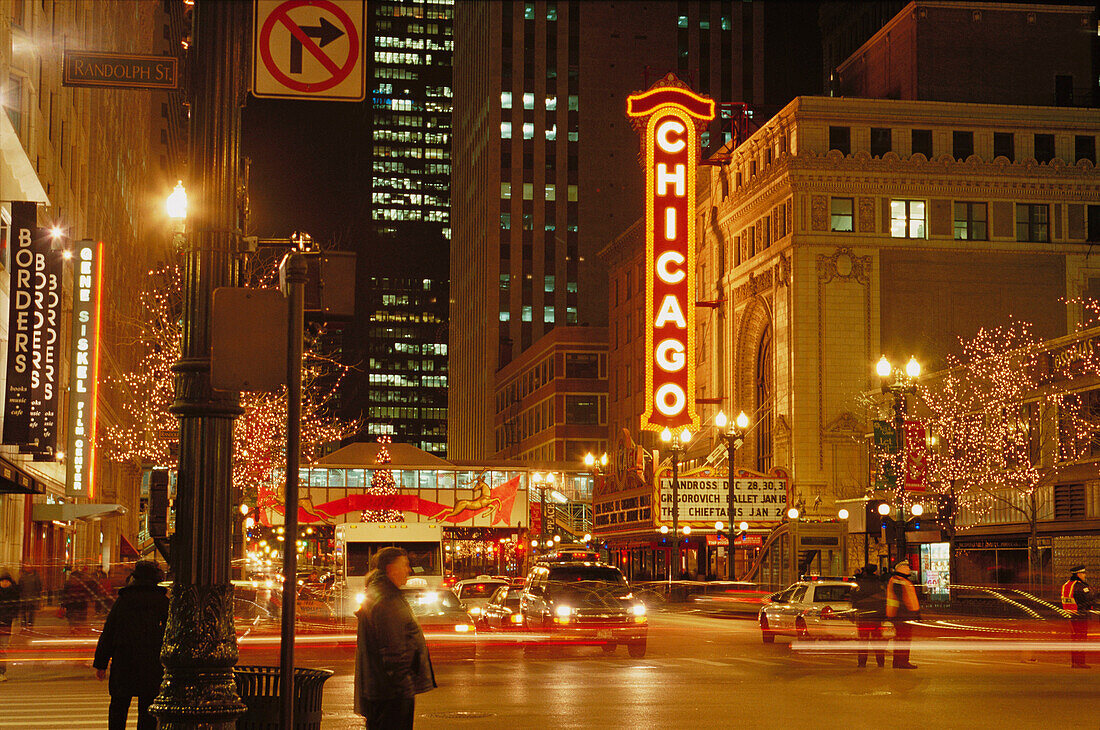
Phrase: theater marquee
(669, 117)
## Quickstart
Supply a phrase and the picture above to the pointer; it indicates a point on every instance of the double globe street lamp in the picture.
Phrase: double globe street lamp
(734, 436)
(676, 447)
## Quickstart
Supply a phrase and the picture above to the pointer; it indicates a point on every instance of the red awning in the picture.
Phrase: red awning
(128, 551)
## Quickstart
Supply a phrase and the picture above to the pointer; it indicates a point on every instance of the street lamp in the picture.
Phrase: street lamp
(176, 204)
(200, 644)
(543, 482)
(676, 446)
(899, 384)
(734, 438)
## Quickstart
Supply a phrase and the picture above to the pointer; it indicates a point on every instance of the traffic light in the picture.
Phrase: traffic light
(875, 519)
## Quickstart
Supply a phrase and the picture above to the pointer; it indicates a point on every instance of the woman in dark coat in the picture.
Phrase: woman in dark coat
(130, 643)
(9, 609)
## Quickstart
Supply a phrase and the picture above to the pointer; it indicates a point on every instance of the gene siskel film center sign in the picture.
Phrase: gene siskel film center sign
(669, 117)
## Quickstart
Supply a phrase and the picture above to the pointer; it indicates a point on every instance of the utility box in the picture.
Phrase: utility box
(330, 284)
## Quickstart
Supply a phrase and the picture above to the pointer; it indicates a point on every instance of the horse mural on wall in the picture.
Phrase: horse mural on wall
(484, 499)
(499, 499)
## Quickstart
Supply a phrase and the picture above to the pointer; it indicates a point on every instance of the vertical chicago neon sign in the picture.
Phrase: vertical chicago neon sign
(669, 117)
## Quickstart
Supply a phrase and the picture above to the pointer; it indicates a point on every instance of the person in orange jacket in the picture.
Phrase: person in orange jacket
(901, 607)
(1077, 599)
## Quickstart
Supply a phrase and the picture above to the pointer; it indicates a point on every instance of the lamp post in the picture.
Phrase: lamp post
(200, 646)
(899, 384)
(676, 447)
(596, 468)
(543, 482)
(734, 437)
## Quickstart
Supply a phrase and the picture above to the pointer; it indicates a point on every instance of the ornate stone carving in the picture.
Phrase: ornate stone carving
(866, 215)
(783, 271)
(819, 213)
(843, 265)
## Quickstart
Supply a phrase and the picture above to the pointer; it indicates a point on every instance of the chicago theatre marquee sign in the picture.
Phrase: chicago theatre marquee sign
(669, 117)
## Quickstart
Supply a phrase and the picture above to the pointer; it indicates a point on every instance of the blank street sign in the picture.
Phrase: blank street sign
(248, 339)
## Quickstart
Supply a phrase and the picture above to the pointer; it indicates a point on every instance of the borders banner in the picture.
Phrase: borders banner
(34, 334)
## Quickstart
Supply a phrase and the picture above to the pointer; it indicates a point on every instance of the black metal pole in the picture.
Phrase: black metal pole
(200, 646)
(899, 428)
(731, 571)
(295, 270)
(675, 511)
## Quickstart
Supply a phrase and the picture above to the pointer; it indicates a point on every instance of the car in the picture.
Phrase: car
(446, 625)
(811, 608)
(502, 611)
(475, 592)
(730, 598)
(585, 600)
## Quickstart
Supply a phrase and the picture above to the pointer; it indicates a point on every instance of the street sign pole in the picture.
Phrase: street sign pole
(200, 644)
(295, 277)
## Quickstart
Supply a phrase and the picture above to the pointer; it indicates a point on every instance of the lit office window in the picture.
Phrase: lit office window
(548, 314)
(505, 130)
(506, 100)
(907, 218)
(526, 314)
(528, 100)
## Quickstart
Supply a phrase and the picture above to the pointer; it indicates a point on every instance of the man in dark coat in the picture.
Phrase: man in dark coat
(9, 609)
(131, 642)
(392, 664)
(30, 590)
(1078, 600)
(869, 602)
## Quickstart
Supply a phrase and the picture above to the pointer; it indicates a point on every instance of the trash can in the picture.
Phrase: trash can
(258, 688)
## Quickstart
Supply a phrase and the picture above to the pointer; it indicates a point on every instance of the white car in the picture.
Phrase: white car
(810, 609)
(474, 594)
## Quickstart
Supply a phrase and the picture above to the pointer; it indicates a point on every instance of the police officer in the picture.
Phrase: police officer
(1078, 600)
(902, 606)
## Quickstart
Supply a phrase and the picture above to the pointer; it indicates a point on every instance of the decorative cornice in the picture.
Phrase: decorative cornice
(844, 266)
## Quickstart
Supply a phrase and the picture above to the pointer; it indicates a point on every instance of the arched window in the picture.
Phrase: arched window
(765, 389)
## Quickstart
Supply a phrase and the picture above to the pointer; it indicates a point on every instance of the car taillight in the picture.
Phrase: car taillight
(827, 612)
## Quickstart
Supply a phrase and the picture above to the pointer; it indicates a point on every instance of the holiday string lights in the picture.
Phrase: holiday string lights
(1007, 418)
(147, 433)
(382, 483)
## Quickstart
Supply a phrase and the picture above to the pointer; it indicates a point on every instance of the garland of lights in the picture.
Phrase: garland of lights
(148, 433)
(382, 484)
(1006, 422)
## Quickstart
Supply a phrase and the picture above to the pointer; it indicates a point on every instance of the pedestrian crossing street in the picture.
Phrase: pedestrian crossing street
(56, 704)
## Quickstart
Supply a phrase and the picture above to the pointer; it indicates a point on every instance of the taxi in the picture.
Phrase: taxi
(813, 608)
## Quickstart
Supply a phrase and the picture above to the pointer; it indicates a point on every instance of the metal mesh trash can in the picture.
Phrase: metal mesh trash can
(258, 688)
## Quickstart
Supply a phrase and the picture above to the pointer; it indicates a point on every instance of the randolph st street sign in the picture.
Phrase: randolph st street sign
(119, 70)
(669, 117)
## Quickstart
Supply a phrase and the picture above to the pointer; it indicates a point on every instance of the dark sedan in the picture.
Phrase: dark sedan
(502, 611)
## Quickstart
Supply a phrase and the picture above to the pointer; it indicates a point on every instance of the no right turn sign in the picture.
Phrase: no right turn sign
(309, 49)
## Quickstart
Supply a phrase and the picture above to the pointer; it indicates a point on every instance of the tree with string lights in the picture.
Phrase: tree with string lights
(382, 484)
(1006, 420)
(147, 432)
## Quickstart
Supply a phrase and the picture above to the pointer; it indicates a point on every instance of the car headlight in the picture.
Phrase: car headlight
(638, 609)
(463, 628)
(475, 610)
(564, 611)
(517, 618)
(360, 597)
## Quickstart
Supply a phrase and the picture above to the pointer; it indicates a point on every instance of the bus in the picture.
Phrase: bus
(357, 542)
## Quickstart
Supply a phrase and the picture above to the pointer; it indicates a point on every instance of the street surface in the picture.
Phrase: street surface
(700, 672)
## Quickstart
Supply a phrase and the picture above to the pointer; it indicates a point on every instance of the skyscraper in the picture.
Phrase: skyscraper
(545, 161)
(403, 147)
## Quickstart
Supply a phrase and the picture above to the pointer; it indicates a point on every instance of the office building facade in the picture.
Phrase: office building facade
(546, 163)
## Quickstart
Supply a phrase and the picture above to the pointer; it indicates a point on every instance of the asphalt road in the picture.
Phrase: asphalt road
(700, 672)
